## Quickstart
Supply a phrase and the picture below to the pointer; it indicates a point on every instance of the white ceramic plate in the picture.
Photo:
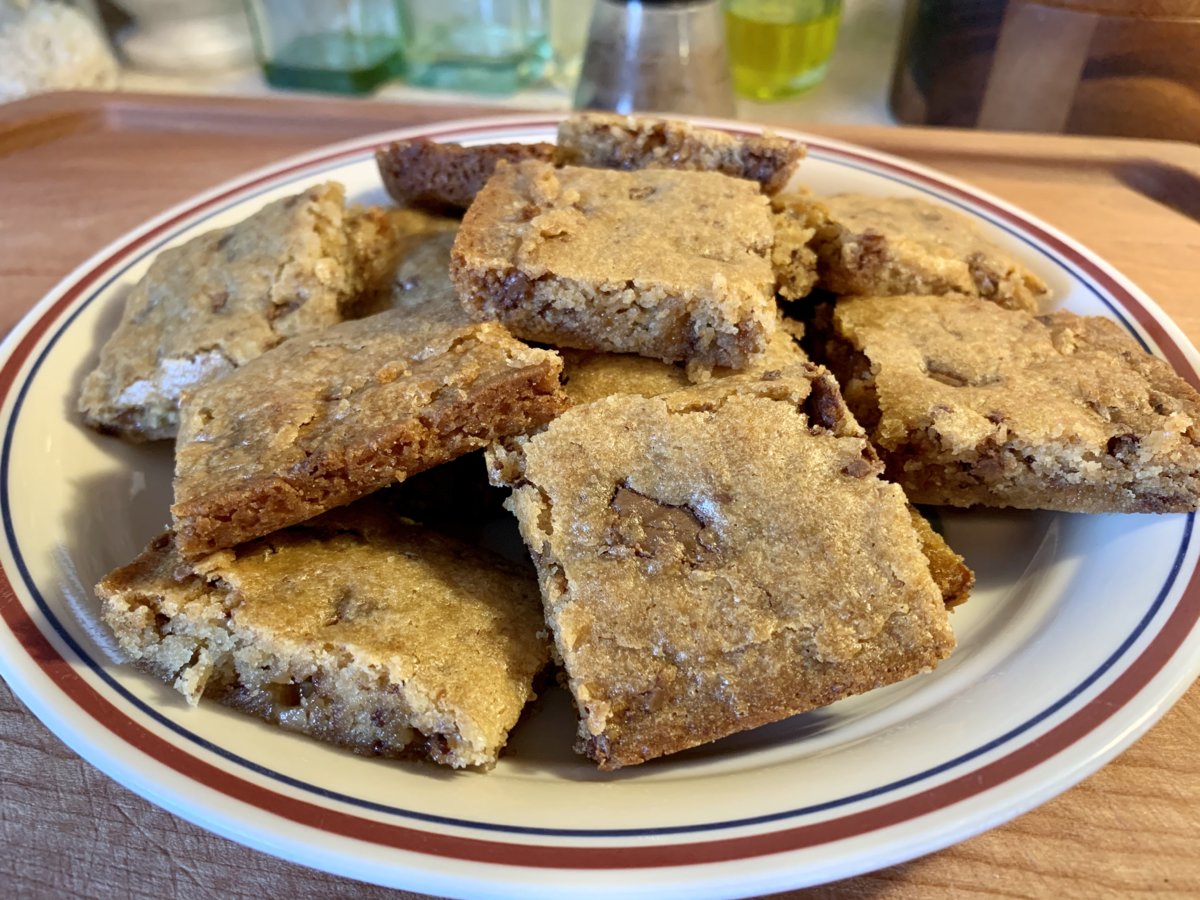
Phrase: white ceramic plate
(1081, 633)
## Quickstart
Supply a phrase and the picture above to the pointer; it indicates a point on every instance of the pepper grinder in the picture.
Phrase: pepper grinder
(665, 56)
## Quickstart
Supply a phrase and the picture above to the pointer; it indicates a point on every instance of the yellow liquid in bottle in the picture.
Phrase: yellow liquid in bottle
(778, 48)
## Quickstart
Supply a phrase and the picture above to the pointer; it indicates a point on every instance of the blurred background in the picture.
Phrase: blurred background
(1114, 67)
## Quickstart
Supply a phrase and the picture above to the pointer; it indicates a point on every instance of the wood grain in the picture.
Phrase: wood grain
(77, 171)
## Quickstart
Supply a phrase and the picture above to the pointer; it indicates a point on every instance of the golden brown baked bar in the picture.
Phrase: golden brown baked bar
(220, 300)
(610, 141)
(971, 404)
(422, 172)
(328, 418)
(588, 375)
(355, 628)
(723, 556)
(892, 246)
(670, 265)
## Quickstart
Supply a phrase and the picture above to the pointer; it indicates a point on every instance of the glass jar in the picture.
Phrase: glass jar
(666, 57)
(484, 46)
(347, 46)
(779, 48)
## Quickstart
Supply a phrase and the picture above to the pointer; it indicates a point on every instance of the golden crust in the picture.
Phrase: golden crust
(323, 420)
(700, 580)
(971, 404)
(667, 264)
(356, 628)
(610, 141)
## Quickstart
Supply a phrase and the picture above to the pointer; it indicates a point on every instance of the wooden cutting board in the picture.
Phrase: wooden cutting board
(78, 170)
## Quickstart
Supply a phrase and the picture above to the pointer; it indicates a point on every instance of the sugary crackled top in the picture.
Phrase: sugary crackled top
(976, 373)
(931, 236)
(335, 389)
(635, 142)
(458, 623)
(226, 296)
(686, 231)
(705, 521)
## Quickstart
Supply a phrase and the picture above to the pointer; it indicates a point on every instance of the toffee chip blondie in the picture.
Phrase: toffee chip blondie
(670, 265)
(356, 628)
(609, 141)
(223, 298)
(725, 556)
(893, 246)
(325, 419)
(970, 403)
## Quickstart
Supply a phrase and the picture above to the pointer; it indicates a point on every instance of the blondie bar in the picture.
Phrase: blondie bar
(892, 246)
(446, 176)
(609, 141)
(328, 418)
(971, 403)
(221, 299)
(722, 557)
(670, 265)
(355, 628)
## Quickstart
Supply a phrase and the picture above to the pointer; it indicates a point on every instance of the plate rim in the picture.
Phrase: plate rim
(17, 350)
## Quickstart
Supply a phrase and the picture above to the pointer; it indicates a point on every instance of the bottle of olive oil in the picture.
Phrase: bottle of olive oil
(778, 48)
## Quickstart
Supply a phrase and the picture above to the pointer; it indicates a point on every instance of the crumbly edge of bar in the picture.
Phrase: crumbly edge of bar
(620, 744)
(650, 321)
(1014, 474)
(865, 263)
(446, 176)
(617, 142)
(321, 692)
(949, 570)
(797, 218)
(100, 400)
(513, 402)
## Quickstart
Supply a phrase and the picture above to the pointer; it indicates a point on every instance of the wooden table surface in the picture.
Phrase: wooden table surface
(78, 170)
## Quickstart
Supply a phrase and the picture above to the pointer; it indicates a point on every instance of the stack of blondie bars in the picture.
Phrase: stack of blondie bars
(711, 401)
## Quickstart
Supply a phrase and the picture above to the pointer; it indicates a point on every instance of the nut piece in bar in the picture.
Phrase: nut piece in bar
(670, 265)
(892, 246)
(422, 172)
(971, 403)
(223, 298)
(610, 141)
(325, 419)
(355, 628)
(724, 556)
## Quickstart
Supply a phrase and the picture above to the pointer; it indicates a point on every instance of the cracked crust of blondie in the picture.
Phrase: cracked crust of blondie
(724, 556)
(325, 419)
(589, 376)
(218, 301)
(949, 570)
(972, 404)
(797, 218)
(670, 265)
(439, 176)
(610, 141)
(356, 628)
(893, 246)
